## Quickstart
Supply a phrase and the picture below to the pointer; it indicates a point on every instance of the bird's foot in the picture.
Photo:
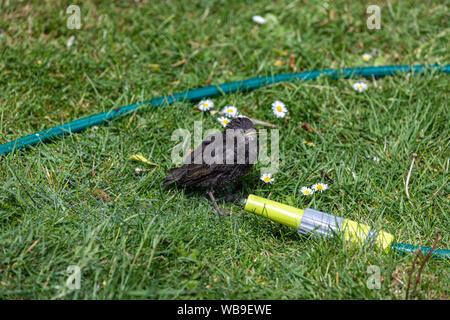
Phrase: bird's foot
(236, 197)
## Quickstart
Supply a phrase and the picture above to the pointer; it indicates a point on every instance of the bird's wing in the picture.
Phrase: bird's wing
(194, 170)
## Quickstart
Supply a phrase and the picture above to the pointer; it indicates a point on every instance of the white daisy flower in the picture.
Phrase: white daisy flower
(306, 191)
(259, 19)
(366, 57)
(320, 187)
(223, 120)
(279, 109)
(230, 111)
(267, 178)
(359, 86)
(205, 105)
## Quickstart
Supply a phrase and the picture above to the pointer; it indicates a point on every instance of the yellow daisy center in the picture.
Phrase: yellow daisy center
(279, 109)
(230, 110)
(360, 86)
(319, 187)
(306, 191)
(225, 121)
(266, 179)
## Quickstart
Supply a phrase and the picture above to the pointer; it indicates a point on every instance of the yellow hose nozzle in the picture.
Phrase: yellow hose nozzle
(318, 223)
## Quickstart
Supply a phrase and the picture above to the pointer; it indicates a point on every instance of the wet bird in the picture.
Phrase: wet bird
(220, 161)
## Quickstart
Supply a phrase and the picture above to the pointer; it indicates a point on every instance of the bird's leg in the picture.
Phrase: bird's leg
(211, 195)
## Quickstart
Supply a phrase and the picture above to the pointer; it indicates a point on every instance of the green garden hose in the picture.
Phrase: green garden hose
(209, 92)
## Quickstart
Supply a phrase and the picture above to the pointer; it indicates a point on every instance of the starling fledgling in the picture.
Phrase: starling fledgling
(220, 161)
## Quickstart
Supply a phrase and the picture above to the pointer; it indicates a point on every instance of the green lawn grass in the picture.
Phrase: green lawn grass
(150, 242)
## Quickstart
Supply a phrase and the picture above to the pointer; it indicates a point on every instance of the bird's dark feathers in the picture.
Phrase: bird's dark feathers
(211, 176)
